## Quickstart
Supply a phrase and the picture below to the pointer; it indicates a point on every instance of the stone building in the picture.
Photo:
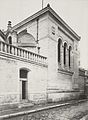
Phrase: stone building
(39, 60)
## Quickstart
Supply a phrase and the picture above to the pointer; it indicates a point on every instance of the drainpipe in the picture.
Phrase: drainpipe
(38, 36)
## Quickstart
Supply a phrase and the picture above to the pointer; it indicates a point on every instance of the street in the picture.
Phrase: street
(77, 111)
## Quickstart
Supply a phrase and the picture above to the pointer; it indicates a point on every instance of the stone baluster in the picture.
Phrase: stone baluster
(21, 53)
(36, 58)
(39, 58)
(1, 46)
(31, 56)
(24, 54)
(27, 54)
(18, 52)
(13, 50)
(6, 48)
(42, 59)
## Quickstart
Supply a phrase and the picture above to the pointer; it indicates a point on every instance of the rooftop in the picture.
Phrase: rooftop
(43, 11)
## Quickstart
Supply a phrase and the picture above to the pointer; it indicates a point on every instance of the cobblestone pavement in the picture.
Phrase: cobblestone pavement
(69, 112)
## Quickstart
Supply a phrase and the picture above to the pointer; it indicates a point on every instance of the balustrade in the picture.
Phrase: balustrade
(20, 52)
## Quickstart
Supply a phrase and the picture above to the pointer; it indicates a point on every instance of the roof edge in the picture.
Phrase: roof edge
(42, 11)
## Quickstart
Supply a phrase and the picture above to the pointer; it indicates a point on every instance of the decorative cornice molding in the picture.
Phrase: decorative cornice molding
(43, 11)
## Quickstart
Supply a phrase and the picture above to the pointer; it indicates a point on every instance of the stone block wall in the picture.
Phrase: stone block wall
(11, 88)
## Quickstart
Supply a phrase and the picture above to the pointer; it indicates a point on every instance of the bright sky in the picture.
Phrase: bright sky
(73, 12)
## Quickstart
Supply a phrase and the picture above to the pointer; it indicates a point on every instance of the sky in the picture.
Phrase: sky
(73, 12)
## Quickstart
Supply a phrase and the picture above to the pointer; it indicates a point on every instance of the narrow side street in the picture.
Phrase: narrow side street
(65, 111)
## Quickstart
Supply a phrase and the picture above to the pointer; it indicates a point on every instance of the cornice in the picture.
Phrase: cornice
(34, 16)
(63, 23)
(43, 11)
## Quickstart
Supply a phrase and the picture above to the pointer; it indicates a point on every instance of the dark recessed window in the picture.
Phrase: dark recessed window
(23, 73)
(65, 47)
(59, 50)
(69, 56)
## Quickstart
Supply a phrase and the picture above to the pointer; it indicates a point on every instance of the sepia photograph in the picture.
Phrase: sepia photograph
(43, 59)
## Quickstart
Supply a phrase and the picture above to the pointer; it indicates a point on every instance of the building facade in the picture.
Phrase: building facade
(39, 60)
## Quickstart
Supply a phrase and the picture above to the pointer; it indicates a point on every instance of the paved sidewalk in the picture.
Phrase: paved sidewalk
(72, 110)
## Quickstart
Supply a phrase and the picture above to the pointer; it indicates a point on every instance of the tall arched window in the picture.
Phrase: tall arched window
(65, 47)
(23, 78)
(59, 50)
(69, 56)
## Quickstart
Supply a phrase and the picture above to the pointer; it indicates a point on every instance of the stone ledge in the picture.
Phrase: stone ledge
(65, 71)
(61, 91)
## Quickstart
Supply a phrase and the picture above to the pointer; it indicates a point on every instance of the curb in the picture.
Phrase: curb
(39, 109)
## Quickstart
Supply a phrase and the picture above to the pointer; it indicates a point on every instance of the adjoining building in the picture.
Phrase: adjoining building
(39, 60)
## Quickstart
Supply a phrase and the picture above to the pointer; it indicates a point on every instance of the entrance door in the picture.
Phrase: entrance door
(24, 84)
(23, 89)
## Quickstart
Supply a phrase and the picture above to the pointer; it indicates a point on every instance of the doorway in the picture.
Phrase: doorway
(24, 82)
(24, 90)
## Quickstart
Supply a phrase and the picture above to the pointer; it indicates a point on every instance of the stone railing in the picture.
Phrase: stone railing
(22, 53)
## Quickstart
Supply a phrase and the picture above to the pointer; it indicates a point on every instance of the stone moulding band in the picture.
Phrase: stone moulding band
(61, 91)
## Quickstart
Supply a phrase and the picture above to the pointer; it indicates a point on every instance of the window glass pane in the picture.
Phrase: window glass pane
(23, 73)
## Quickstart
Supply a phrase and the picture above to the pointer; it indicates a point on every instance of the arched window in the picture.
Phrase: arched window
(59, 50)
(69, 56)
(23, 78)
(65, 46)
(10, 40)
